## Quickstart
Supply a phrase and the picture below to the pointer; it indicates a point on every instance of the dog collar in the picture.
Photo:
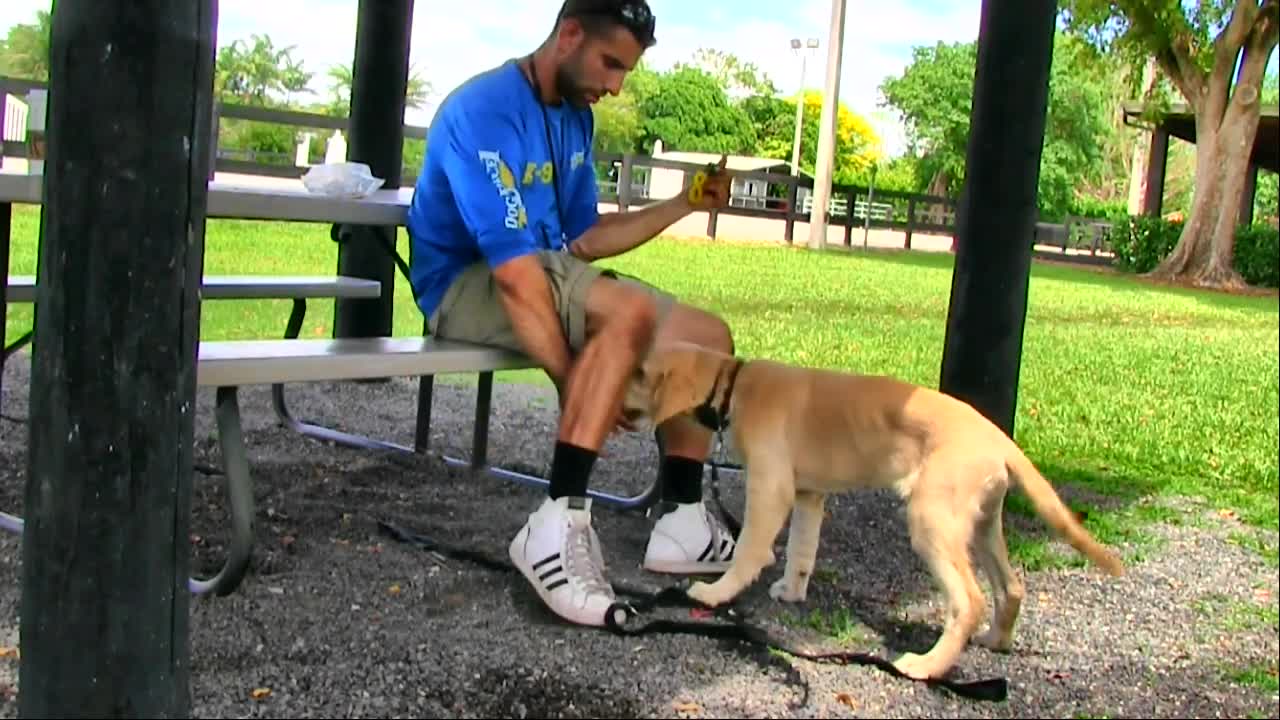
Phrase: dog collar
(707, 414)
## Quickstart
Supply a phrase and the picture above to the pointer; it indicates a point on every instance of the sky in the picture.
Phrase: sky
(452, 40)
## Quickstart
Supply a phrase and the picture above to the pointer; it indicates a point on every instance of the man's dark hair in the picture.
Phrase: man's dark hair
(598, 16)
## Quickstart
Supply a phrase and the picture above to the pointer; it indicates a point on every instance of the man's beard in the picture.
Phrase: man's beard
(568, 87)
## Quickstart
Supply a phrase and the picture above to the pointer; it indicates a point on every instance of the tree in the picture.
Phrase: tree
(24, 52)
(618, 123)
(689, 110)
(857, 144)
(739, 78)
(1215, 53)
(259, 73)
(417, 92)
(934, 95)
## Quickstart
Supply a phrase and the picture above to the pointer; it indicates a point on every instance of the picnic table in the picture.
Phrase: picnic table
(226, 200)
(227, 365)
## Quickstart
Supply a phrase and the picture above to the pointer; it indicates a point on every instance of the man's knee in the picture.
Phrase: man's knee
(636, 320)
(722, 333)
(692, 324)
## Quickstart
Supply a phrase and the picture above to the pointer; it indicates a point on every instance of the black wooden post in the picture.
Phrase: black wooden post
(1250, 194)
(6, 220)
(1157, 163)
(379, 78)
(104, 609)
(983, 347)
(793, 199)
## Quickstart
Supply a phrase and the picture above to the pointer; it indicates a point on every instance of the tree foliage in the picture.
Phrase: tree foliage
(691, 110)
(934, 94)
(24, 51)
(717, 103)
(1215, 53)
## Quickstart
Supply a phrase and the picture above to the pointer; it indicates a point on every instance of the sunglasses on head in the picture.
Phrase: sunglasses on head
(637, 17)
(634, 15)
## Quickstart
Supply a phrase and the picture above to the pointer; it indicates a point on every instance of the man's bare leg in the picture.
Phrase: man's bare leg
(687, 538)
(620, 329)
(557, 550)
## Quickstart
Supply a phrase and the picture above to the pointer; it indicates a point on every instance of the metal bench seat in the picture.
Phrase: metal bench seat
(229, 365)
(261, 362)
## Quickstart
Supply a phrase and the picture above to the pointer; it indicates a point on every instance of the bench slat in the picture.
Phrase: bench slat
(22, 288)
(262, 362)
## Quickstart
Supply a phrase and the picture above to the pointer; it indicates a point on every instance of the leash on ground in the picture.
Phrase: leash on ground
(733, 625)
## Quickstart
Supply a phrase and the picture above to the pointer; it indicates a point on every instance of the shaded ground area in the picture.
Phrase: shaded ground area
(336, 619)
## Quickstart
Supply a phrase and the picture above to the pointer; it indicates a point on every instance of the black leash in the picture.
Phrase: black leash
(734, 624)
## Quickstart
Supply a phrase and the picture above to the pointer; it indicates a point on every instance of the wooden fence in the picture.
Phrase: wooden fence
(628, 180)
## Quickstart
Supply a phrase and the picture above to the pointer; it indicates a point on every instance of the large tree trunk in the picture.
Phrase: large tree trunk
(1226, 124)
(1206, 247)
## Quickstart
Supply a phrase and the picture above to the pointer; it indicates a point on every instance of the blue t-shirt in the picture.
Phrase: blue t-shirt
(485, 191)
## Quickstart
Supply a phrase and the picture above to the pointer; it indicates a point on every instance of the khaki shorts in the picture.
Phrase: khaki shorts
(471, 310)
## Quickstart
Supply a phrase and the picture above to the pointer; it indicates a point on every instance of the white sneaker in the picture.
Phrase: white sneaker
(689, 540)
(559, 554)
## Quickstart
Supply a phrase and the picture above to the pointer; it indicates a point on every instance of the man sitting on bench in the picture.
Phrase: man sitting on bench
(504, 226)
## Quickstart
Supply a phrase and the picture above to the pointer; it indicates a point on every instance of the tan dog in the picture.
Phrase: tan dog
(804, 433)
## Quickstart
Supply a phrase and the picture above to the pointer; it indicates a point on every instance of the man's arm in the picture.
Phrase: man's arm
(617, 232)
(486, 191)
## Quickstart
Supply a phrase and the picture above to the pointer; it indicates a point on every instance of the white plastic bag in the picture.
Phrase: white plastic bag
(343, 179)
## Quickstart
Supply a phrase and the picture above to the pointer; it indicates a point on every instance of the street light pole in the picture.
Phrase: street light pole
(827, 130)
(803, 52)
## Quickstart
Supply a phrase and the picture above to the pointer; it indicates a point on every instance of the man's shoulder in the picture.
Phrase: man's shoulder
(484, 96)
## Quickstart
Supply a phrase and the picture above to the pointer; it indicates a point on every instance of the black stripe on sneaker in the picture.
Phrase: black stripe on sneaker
(729, 544)
(706, 552)
(547, 559)
(557, 584)
(550, 572)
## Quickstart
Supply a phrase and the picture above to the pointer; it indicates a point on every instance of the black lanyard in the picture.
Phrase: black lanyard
(551, 149)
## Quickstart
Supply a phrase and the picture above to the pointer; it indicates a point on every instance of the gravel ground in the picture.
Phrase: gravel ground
(336, 619)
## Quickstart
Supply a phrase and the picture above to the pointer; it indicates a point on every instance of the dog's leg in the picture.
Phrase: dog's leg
(1006, 587)
(802, 547)
(770, 494)
(942, 540)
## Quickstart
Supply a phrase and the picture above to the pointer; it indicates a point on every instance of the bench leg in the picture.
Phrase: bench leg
(480, 430)
(12, 523)
(480, 448)
(9, 350)
(422, 431)
(240, 494)
(311, 430)
(422, 428)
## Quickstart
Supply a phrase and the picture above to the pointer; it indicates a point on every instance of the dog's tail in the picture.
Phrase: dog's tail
(1054, 512)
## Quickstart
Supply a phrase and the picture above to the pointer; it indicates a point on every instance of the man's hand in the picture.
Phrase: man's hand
(710, 187)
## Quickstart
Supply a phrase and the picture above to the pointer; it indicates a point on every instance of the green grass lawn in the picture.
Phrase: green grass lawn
(1136, 392)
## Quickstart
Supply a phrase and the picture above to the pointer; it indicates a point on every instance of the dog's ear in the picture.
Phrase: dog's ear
(673, 387)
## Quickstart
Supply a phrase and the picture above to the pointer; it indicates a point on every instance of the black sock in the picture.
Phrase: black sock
(570, 470)
(681, 479)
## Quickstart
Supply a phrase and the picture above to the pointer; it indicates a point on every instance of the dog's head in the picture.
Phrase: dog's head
(673, 380)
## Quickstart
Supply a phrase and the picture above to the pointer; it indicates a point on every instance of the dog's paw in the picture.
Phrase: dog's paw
(918, 667)
(784, 590)
(706, 593)
(994, 640)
